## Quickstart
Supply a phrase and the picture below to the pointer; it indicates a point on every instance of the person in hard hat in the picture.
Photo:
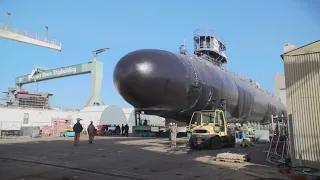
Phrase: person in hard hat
(229, 130)
(238, 129)
(91, 131)
(249, 130)
(174, 132)
(77, 129)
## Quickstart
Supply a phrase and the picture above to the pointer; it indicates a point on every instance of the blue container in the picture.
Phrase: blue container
(70, 134)
(67, 134)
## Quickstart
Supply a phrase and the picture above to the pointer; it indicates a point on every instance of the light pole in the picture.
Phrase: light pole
(8, 19)
(96, 52)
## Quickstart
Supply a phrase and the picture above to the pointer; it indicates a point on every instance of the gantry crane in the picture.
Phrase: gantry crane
(15, 34)
(94, 67)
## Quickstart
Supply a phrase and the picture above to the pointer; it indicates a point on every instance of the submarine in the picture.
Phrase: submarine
(174, 85)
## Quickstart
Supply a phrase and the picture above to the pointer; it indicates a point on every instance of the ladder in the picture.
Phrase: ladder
(279, 147)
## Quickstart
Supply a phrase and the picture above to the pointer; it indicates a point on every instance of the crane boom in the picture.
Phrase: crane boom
(42, 74)
(18, 35)
(39, 75)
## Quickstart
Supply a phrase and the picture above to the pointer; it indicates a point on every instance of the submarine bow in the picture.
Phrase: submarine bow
(151, 80)
(175, 85)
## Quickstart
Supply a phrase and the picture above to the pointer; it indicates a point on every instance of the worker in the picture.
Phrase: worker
(174, 132)
(115, 129)
(122, 129)
(106, 129)
(126, 130)
(169, 131)
(91, 131)
(118, 130)
(229, 130)
(77, 129)
(249, 130)
(238, 131)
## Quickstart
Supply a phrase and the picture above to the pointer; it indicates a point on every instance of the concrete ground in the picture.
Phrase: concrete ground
(120, 158)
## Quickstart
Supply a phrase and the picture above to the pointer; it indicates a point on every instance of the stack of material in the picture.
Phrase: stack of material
(46, 131)
(232, 157)
(246, 143)
(31, 131)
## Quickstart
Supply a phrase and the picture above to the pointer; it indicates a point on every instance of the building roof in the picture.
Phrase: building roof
(306, 49)
(128, 110)
(94, 108)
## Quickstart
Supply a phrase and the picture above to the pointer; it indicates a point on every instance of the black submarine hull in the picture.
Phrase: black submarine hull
(173, 85)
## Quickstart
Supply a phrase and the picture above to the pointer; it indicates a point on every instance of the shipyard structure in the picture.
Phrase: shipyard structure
(27, 99)
(23, 108)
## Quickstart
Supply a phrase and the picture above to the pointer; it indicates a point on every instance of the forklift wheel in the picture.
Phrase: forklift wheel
(215, 143)
(233, 142)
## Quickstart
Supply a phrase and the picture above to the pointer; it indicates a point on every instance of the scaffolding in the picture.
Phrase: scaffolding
(39, 100)
(26, 99)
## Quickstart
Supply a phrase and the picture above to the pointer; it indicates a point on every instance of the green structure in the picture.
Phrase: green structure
(39, 74)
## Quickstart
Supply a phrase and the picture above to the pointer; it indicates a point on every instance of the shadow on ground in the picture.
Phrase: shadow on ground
(123, 158)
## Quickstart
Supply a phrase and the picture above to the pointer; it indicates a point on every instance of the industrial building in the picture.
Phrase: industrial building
(102, 115)
(13, 118)
(302, 78)
(280, 87)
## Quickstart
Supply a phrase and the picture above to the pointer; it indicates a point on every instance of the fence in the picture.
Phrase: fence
(16, 125)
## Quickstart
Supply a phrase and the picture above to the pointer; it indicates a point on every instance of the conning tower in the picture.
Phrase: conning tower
(209, 46)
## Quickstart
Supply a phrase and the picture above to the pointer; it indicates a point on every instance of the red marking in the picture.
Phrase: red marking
(23, 92)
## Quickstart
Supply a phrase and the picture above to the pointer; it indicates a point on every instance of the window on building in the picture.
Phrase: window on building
(26, 118)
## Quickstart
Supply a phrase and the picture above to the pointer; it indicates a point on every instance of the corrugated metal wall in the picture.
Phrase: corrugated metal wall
(302, 76)
(283, 96)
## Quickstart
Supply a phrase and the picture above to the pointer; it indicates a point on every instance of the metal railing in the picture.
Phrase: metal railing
(209, 32)
(30, 35)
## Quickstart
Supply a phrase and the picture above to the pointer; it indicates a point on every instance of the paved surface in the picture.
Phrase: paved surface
(120, 158)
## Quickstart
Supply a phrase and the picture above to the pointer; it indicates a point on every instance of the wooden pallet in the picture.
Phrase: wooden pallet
(232, 157)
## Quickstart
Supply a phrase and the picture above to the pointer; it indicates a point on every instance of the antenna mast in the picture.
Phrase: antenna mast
(183, 49)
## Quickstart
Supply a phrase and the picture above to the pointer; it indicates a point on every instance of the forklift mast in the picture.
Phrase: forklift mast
(207, 117)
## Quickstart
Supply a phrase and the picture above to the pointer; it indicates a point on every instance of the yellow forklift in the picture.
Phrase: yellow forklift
(209, 129)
